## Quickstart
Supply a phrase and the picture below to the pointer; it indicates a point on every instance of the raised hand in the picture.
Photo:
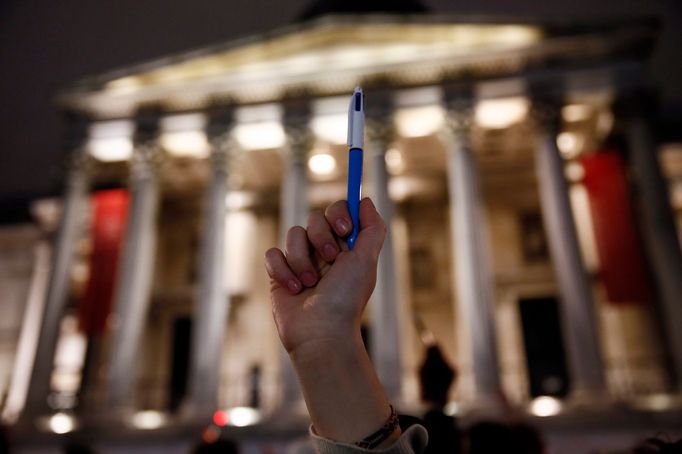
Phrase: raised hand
(318, 287)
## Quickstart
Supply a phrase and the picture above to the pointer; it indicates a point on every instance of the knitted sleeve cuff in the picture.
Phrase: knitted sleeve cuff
(412, 441)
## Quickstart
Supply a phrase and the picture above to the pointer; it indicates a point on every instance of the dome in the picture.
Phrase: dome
(323, 7)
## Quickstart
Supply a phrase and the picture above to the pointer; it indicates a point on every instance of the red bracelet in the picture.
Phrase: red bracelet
(378, 437)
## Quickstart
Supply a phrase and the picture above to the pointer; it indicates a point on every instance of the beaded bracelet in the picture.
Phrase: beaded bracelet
(378, 437)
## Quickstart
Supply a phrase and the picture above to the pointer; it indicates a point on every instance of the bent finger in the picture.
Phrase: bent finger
(321, 235)
(298, 255)
(278, 269)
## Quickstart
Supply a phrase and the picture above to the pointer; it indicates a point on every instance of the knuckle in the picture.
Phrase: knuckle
(270, 264)
(371, 258)
(270, 253)
(269, 256)
(334, 207)
(296, 230)
(293, 238)
(315, 216)
(317, 236)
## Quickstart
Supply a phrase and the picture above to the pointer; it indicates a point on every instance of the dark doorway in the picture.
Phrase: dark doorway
(182, 335)
(542, 339)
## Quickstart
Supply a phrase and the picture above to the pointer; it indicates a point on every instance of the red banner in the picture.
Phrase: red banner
(110, 210)
(622, 269)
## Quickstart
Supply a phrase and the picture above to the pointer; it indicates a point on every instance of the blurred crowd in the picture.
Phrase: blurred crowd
(446, 436)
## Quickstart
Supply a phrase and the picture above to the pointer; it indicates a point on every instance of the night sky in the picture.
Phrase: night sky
(46, 45)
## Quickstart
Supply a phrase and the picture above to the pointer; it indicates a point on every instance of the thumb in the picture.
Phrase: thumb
(372, 230)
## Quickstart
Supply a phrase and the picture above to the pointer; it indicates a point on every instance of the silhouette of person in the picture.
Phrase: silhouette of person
(435, 378)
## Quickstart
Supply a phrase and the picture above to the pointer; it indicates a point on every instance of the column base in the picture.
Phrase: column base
(485, 407)
(194, 413)
(592, 399)
(118, 415)
(293, 408)
(656, 402)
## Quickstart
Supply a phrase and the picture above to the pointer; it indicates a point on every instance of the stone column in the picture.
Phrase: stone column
(658, 225)
(212, 305)
(294, 208)
(472, 271)
(75, 204)
(136, 270)
(294, 197)
(385, 334)
(577, 304)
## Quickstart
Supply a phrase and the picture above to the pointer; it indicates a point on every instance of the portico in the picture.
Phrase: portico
(471, 166)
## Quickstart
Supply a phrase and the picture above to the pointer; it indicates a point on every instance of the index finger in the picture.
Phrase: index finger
(338, 217)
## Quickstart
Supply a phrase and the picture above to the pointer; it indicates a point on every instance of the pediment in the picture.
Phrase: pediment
(326, 56)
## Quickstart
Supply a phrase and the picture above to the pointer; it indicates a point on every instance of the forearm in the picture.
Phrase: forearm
(345, 400)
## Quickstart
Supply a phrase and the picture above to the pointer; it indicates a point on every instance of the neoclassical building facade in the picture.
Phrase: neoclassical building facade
(532, 235)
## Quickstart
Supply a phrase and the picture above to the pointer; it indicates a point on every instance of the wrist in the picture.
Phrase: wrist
(345, 400)
(344, 348)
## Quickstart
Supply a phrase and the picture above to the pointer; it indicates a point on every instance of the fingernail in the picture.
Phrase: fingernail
(294, 286)
(330, 250)
(308, 278)
(342, 226)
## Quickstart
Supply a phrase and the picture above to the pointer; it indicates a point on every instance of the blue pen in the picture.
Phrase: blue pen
(356, 135)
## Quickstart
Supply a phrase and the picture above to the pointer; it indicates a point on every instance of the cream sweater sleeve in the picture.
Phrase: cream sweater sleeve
(412, 441)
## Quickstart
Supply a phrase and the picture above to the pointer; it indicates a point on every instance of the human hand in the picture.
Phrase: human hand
(318, 287)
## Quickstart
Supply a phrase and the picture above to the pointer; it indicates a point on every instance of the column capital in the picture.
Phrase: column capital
(547, 99)
(147, 124)
(219, 133)
(379, 107)
(296, 123)
(459, 120)
(220, 120)
(458, 101)
(546, 114)
(380, 130)
(221, 153)
(78, 161)
(459, 96)
(299, 139)
(145, 161)
(297, 113)
(147, 154)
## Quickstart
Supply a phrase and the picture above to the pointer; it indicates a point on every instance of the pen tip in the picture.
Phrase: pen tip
(358, 89)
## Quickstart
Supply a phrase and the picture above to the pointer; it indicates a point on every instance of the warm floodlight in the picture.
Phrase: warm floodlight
(570, 144)
(61, 423)
(260, 136)
(501, 113)
(148, 419)
(322, 164)
(111, 141)
(419, 121)
(183, 135)
(545, 406)
(331, 128)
